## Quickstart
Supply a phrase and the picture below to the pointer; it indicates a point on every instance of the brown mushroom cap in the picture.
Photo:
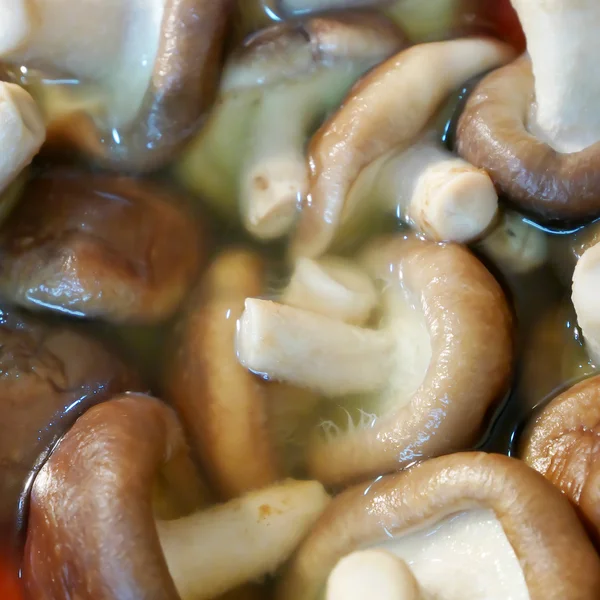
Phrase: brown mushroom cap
(50, 376)
(223, 407)
(492, 134)
(554, 552)
(182, 86)
(561, 443)
(92, 533)
(98, 246)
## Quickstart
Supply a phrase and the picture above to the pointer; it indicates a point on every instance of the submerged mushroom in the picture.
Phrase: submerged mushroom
(22, 132)
(387, 111)
(50, 376)
(468, 525)
(275, 91)
(145, 71)
(239, 427)
(561, 443)
(90, 509)
(92, 245)
(420, 384)
(533, 124)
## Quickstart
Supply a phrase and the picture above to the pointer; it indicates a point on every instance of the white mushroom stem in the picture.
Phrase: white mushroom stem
(312, 351)
(514, 245)
(332, 287)
(372, 574)
(274, 178)
(218, 549)
(438, 193)
(586, 299)
(564, 45)
(22, 132)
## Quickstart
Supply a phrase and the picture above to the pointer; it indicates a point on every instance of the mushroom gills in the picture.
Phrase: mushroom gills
(465, 556)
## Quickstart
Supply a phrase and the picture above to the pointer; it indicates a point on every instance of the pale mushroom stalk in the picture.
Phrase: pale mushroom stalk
(439, 194)
(331, 287)
(563, 43)
(22, 131)
(213, 551)
(388, 109)
(586, 291)
(372, 574)
(313, 351)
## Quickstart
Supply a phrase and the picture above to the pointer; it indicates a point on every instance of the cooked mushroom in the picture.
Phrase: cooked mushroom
(468, 525)
(438, 361)
(22, 132)
(372, 574)
(275, 90)
(92, 245)
(586, 294)
(533, 125)
(386, 111)
(437, 193)
(148, 72)
(561, 443)
(12, 194)
(90, 508)
(50, 376)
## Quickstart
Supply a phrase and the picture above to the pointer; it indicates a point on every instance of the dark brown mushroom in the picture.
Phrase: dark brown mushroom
(532, 125)
(469, 525)
(93, 535)
(92, 245)
(150, 71)
(50, 376)
(562, 444)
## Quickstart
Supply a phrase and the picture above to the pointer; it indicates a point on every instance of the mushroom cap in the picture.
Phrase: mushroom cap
(50, 376)
(181, 88)
(492, 135)
(315, 61)
(223, 407)
(93, 245)
(561, 443)
(98, 484)
(557, 559)
(470, 327)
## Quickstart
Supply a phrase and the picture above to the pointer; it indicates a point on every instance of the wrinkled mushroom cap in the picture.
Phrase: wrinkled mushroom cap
(100, 246)
(50, 376)
(561, 443)
(136, 129)
(556, 557)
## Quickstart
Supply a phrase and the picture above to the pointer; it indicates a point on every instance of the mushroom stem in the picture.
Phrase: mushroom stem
(438, 193)
(274, 178)
(22, 131)
(372, 574)
(331, 287)
(586, 291)
(312, 351)
(213, 551)
(563, 43)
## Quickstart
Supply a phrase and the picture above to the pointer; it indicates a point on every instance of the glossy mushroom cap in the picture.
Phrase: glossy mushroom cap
(560, 443)
(22, 131)
(101, 246)
(420, 384)
(555, 556)
(150, 71)
(387, 110)
(91, 511)
(532, 125)
(276, 89)
(50, 376)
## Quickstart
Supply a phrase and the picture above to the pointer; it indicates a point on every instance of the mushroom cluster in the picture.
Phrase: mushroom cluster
(280, 290)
